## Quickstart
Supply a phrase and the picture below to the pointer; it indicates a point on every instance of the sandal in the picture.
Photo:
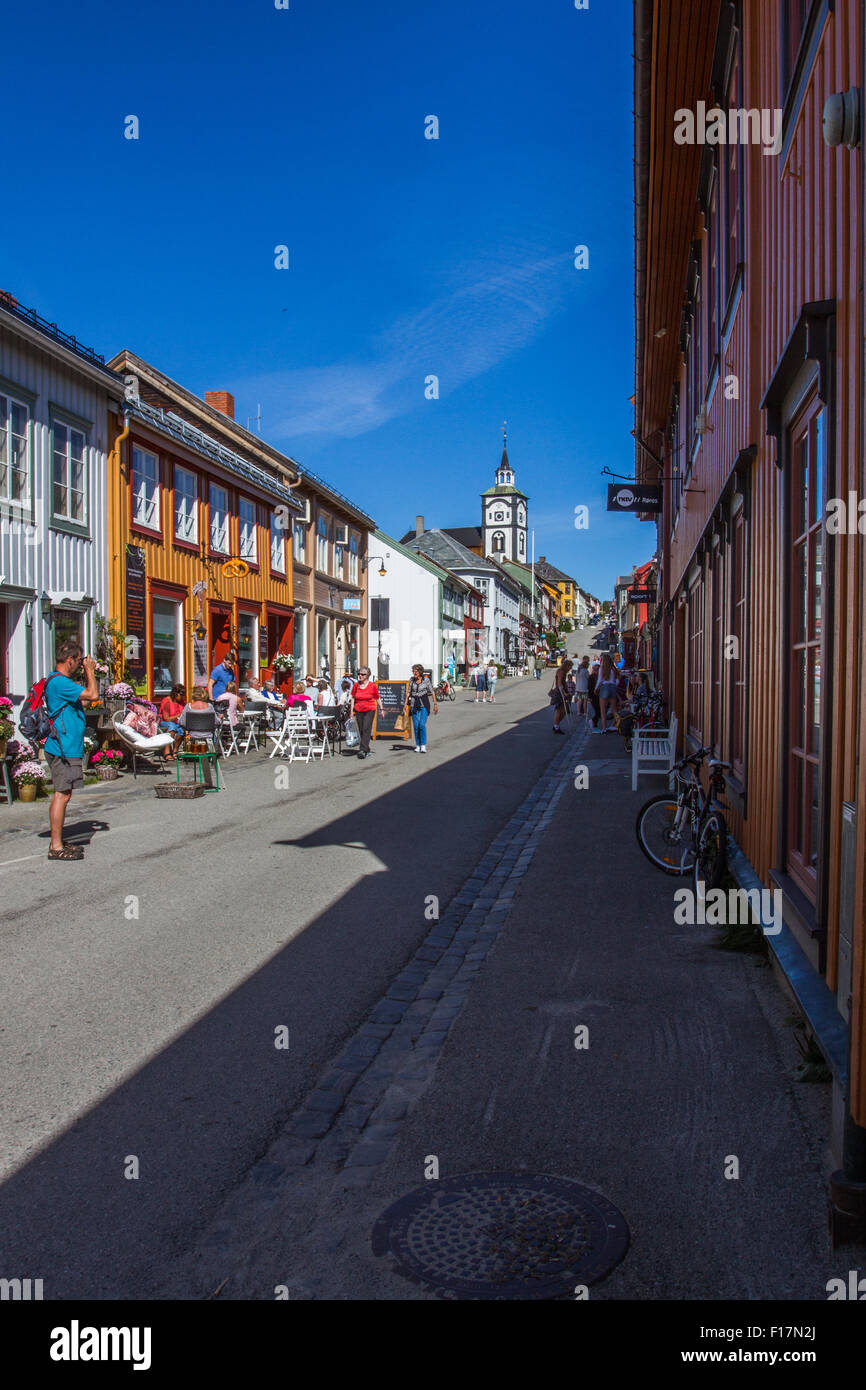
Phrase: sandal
(67, 852)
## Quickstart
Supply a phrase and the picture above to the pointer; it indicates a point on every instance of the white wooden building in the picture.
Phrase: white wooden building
(54, 401)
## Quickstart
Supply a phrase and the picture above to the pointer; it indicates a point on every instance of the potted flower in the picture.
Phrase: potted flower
(28, 777)
(89, 746)
(283, 661)
(7, 728)
(106, 764)
(117, 695)
(102, 671)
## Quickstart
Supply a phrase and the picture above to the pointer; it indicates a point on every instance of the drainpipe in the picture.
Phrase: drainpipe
(119, 558)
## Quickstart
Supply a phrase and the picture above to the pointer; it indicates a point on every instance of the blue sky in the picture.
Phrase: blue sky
(408, 257)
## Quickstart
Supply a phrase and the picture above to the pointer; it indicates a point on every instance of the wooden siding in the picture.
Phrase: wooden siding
(802, 243)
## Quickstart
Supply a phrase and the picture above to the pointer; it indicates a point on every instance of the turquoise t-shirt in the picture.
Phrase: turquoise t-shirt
(63, 703)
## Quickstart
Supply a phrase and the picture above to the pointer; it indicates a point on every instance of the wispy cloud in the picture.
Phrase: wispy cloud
(456, 338)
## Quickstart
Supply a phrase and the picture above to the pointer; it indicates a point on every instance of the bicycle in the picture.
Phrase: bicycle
(685, 831)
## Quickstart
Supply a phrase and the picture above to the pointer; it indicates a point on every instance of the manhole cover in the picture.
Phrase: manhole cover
(502, 1235)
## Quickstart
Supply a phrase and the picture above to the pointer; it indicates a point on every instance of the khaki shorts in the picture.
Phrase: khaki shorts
(66, 776)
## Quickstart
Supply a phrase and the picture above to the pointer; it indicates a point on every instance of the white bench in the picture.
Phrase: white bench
(654, 746)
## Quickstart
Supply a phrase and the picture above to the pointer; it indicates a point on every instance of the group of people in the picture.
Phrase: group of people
(601, 686)
(482, 679)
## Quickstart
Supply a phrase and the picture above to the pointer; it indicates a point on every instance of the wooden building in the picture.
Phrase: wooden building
(56, 397)
(200, 554)
(749, 265)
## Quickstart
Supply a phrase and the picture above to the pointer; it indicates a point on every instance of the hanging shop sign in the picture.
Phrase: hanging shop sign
(642, 595)
(634, 497)
(351, 605)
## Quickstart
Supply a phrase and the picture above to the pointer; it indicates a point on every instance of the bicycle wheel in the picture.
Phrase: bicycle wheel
(663, 846)
(451, 695)
(711, 860)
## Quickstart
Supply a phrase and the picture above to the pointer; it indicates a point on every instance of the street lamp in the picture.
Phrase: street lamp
(366, 561)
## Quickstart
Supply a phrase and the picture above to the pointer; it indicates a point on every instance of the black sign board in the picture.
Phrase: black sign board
(263, 645)
(136, 613)
(641, 595)
(634, 497)
(393, 696)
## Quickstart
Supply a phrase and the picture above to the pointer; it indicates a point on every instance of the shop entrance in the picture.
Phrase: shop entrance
(220, 635)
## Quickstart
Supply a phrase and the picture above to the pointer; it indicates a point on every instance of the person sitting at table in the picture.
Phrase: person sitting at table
(325, 698)
(300, 697)
(170, 711)
(229, 699)
(272, 696)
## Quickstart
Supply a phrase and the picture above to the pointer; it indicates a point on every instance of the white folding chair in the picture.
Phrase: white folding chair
(321, 742)
(227, 738)
(280, 737)
(302, 736)
(250, 730)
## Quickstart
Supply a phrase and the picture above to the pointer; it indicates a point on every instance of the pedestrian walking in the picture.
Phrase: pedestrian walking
(581, 685)
(364, 703)
(607, 692)
(592, 687)
(480, 680)
(64, 748)
(492, 678)
(539, 665)
(418, 700)
(558, 696)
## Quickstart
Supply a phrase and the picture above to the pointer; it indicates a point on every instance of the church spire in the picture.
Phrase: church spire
(504, 463)
(504, 474)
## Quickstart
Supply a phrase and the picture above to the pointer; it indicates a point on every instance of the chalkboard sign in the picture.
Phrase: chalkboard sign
(263, 646)
(199, 660)
(393, 696)
(136, 627)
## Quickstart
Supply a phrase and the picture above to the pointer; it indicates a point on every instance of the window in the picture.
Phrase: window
(68, 626)
(68, 476)
(278, 543)
(338, 559)
(498, 541)
(737, 663)
(249, 543)
(717, 653)
(145, 489)
(167, 649)
(219, 519)
(185, 506)
(14, 450)
(696, 660)
(731, 160)
(248, 646)
(354, 548)
(299, 646)
(795, 17)
(322, 544)
(805, 575)
(713, 279)
(299, 541)
(521, 543)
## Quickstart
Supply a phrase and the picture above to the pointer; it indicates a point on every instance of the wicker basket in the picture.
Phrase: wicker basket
(105, 772)
(179, 792)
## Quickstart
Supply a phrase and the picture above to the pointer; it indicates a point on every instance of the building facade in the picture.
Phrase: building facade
(749, 327)
(200, 531)
(56, 398)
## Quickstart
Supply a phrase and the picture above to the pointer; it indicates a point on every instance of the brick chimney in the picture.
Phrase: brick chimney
(223, 401)
(419, 526)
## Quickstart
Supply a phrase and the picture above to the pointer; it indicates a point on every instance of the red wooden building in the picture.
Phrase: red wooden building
(749, 321)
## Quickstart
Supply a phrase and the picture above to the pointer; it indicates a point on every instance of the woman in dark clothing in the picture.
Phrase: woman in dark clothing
(559, 696)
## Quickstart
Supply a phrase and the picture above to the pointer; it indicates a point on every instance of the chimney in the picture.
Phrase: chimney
(223, 401)
(419, 526)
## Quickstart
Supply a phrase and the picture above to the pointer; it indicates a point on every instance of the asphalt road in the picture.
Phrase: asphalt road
(140, 989)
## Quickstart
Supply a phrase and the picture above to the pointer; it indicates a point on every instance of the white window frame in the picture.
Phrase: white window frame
(58, 424)
(278, 543)
(299, 541)
(354, 551)
(6, 448)
(185, 507)
(223, 534)
(248, 531)
(322, 543)
(145, 505)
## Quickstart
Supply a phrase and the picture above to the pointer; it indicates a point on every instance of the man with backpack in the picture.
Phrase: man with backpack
(64, 746)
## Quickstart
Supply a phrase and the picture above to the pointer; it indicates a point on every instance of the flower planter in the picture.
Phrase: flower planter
(105, 772)
(27, 791)
(3, 743)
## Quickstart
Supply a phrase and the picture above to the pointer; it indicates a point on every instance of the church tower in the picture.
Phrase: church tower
(504, 515)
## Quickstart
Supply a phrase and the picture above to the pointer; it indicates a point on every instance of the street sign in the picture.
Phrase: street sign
(634, 497)
(642, 595)
(351, 605)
